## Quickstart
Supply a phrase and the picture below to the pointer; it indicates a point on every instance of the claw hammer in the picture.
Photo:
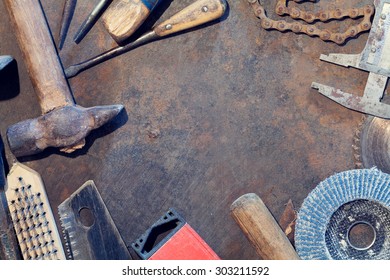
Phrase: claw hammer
(63, 124)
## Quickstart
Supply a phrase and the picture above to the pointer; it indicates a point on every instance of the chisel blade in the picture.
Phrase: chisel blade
(88, 229)
(67, 14)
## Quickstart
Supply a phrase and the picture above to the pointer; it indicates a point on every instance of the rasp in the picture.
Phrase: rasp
(88, 229)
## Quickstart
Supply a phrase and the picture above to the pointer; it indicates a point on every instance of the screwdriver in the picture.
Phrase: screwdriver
(199, 12)
(123, 17)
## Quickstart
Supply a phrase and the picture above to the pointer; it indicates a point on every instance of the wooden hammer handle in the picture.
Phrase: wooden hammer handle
(40, 56)
(261, 229)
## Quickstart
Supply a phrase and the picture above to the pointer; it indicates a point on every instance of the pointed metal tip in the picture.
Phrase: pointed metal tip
(103, 114)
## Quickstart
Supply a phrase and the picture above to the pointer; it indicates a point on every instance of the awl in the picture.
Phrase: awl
(123, 17)
(199, 12)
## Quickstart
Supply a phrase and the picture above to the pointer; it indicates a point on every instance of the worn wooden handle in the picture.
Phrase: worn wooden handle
(198, 13)
(40, 56)
(124, 17)
(261, 229)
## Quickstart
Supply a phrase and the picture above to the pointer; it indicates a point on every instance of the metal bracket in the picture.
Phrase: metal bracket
(375, 59)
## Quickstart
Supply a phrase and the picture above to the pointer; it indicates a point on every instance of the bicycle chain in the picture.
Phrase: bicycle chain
(326, 35)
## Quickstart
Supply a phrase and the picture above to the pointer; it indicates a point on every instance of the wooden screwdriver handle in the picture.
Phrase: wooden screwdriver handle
(261, 229)
(197, 13)
(123, 17)
(40, 56)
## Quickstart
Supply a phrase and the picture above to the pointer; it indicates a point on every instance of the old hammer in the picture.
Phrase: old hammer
(260, 227)
(63, 124)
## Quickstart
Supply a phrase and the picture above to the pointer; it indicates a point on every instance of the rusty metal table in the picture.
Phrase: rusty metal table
(211, 114)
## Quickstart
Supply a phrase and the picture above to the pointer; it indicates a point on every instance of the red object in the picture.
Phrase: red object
(186, 244)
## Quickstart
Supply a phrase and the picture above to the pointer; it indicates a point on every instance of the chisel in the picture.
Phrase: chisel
(91, 20)
(197, 13)
(67, 15)
(123, 17)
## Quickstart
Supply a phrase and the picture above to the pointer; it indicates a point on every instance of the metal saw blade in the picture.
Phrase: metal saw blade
(88, 229)
(347, 216)
(372, 144)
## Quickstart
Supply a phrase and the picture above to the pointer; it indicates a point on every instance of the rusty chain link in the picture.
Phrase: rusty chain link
(339, 38)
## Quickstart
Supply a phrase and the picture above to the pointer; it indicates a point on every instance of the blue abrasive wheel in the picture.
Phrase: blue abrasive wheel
(347, 216)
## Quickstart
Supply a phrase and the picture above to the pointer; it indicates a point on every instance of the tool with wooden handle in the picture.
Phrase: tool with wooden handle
(199, 12)
(261, 229)
(63, 124)
(123, 17)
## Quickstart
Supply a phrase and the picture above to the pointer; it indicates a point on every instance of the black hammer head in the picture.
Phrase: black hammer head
(64, 128)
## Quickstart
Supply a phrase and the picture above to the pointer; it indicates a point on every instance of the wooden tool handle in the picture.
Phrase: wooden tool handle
(261, 229)
(124, 17)
(39, 54)
(198, 13)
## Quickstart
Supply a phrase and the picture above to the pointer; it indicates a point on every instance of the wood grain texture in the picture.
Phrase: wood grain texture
(38, 50)
(197, 13)
(261, 229)
(123, 17)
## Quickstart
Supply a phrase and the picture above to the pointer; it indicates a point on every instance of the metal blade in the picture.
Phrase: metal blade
(67, 14)
(88, 229)
(9, 248)
(375, 143)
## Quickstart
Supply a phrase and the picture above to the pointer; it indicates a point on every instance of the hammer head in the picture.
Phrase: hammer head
(64, 128)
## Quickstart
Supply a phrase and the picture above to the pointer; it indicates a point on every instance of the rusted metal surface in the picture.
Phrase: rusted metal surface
(312, 30)
(211, 114)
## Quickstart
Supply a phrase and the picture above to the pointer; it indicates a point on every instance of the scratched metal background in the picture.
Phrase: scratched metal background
(210, 115)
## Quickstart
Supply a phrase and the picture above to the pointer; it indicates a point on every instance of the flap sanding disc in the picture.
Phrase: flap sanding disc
(347, 216)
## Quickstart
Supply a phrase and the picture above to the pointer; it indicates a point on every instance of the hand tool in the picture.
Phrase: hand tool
(375, 59)
(181, 241)
(88, 229)
(91, 20)
(345, 217)
(67, 14)
(63, 123)
(197, 13)
(9, 248)
(123, 17)
(309, 29)
(371, 144)
(32, 216)
(5, 60)
(261, 229)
